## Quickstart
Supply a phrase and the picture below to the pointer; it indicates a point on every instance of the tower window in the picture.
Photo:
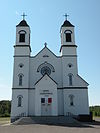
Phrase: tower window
(70, 76)
(20, 79)
(68, 37)
(71, 98)
(22, 38)
(20, 100)
(70, 65)
(21, 65)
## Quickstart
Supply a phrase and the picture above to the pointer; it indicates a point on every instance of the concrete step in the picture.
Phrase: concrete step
(56, 120)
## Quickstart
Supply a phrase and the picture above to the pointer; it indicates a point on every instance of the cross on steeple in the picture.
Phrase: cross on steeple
(45, 44)
(23, 16)
(66, 16)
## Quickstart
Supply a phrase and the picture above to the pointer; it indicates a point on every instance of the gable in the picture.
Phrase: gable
(45, 52)
(46, 81)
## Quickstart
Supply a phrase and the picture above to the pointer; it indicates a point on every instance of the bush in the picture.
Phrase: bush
(95, 110)
(5, 108)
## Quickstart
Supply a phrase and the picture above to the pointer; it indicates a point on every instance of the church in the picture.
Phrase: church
(47, 84)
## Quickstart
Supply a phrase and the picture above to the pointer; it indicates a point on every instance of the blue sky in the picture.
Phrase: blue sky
(45, 18)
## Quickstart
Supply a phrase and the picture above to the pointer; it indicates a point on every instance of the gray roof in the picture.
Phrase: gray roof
(23, 23)
(67, 24)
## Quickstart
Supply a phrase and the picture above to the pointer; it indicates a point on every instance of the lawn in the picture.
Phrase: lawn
(4, 120)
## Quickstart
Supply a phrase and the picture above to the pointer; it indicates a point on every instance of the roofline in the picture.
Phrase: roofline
(42, 50)
(48, 76)
(83, 79)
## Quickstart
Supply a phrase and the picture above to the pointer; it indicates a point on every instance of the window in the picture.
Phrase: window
(21, 65)
(45, 70)
(70, 76)
(70, 65)
(71, 98)
(20, 79)
(22, 38)
(20, 100)
(68, 35)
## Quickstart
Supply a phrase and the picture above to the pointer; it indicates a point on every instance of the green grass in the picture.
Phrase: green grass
(4, 120)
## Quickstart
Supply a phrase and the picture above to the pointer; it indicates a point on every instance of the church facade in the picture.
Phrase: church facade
(46, 84)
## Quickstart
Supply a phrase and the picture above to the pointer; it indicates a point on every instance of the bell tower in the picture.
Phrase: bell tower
(22, 38)
(68, 53)
(21, 70)
(68, 46)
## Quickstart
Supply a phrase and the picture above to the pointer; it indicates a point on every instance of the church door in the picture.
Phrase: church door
(46, 106)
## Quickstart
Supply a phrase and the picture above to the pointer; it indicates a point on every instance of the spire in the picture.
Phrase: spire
(66, 22)
(23, 22)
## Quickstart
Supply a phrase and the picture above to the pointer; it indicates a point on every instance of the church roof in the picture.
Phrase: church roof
(67, 24)
(23, 23)
(43, 77)
(48, 50)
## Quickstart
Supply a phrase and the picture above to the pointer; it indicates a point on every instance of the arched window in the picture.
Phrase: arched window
(71, 99)
(45, 68)
(22, 36)
(20, 100)
(68, 35)
(20, 79)
(70, 76)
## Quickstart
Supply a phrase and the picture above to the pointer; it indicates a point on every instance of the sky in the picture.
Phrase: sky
(45, 18)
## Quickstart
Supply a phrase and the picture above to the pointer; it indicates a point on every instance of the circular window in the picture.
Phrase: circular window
(21, 65)
(45, 70)
(70, 65)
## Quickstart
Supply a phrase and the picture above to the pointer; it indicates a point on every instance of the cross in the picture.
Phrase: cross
(23, 16)
(45, 44)
(66, 16)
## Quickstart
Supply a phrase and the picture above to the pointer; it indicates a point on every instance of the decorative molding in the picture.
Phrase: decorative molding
(57, 88)
(21, 56)
(23, 46)
(67, 46)
(73, 88)
(45, 56)
(23, 88)
(69, 56)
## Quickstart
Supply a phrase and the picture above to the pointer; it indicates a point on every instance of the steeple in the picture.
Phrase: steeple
(67, 38)
(23, 37)
(23, 22)
(23, 33)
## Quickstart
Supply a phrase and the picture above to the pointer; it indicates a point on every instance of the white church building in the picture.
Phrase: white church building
(47, 84)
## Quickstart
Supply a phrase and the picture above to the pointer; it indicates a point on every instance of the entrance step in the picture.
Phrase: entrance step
(56, 120)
